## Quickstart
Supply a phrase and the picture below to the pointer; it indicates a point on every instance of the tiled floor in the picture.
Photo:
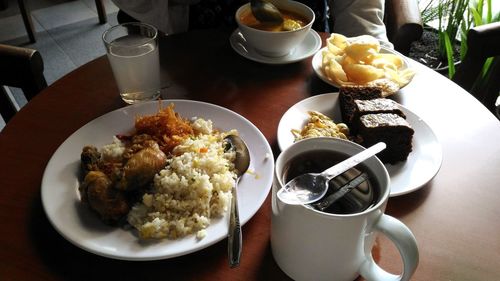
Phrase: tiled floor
(68, 34)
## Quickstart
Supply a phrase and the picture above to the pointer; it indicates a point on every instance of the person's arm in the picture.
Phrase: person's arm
(359, 17)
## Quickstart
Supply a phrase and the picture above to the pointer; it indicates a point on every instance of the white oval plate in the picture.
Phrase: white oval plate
(422, 164)
(76, 223)
(309, 46)
(318, 57)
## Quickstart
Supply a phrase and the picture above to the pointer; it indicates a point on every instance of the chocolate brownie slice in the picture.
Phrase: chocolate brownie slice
(390, 128)
(374, 106)
(348, 95)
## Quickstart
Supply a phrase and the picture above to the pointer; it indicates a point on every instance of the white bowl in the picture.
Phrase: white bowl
(276, 43)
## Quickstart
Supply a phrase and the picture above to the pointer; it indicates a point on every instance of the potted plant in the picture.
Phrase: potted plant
(446, 22)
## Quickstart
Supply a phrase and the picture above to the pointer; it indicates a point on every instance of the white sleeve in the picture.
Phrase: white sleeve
(359, 17)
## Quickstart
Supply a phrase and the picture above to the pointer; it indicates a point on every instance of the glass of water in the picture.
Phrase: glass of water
(132, 50)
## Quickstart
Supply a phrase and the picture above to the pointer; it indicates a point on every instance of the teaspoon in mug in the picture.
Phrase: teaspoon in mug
(311, 187)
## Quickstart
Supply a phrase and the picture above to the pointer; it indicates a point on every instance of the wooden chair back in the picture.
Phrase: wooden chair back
(483, 42)
(21, 68)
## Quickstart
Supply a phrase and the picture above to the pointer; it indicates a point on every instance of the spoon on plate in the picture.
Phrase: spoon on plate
(241, 164)
(266, 12)
(311, 187)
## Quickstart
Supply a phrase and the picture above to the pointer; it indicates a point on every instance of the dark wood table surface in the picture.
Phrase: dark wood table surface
(455, 217)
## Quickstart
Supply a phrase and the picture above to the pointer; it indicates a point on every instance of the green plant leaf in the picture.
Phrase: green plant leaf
(480, 6)
(463, 40)
(489, 12)
(442, 45)
(486, 67)
(481, 81)
(478, 19)
(429, 12)
(449, 55)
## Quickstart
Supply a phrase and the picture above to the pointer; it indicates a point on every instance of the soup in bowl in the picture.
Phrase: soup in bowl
(276, 41)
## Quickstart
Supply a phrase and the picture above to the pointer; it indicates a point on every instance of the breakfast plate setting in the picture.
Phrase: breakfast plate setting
(308, 47)
(423, 163)
(79, 225)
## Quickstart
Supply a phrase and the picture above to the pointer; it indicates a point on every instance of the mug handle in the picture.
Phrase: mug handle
(406, 244)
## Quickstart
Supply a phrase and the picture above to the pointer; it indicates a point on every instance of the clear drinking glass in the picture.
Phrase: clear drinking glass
(132, 50)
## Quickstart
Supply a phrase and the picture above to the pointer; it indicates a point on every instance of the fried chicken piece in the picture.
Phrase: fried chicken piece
(138, 143)
(90, 159)
(111, 188)
(98, 191)
(141, 168)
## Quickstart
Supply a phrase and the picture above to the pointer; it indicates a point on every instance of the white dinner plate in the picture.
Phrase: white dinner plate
(318, 57)
(422, 164)
(309, 46)
(76, 223)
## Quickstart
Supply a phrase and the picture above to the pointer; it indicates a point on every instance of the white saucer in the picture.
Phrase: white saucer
(308, 47)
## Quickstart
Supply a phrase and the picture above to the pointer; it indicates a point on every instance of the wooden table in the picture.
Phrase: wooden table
(455, 217)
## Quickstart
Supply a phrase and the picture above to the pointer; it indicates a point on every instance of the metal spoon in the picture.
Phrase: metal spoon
(241, 163)
(265, 12)
(311, 187)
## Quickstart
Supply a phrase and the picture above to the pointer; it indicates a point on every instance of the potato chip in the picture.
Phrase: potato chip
(362, 73)
(387, 59)
(346, 60)
(335, 70)
(360, 53)
(334, 50)
(337, 40)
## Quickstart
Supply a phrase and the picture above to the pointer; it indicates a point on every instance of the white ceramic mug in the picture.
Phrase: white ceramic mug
(309, 244)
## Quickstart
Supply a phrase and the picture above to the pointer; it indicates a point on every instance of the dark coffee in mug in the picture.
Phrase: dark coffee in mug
(360, 198)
